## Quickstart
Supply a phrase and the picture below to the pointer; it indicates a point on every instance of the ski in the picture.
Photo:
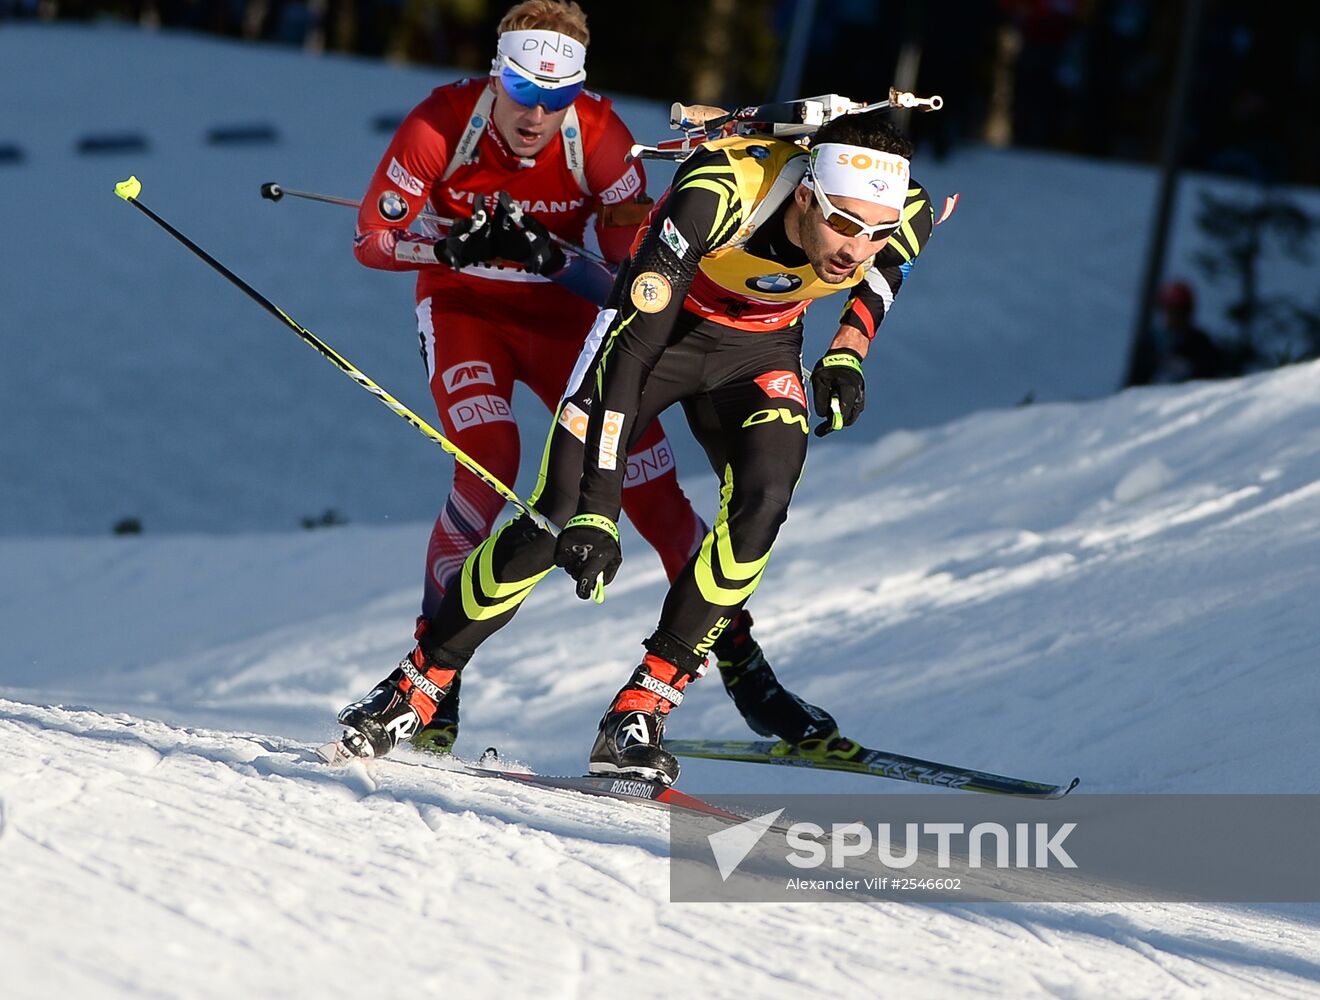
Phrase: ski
(639, 790)
(336, 754)
(865, 760)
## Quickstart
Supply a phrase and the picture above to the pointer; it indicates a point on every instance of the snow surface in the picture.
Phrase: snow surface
(1122, 589)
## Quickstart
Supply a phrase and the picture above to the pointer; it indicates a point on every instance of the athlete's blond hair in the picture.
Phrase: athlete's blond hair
(563, 16)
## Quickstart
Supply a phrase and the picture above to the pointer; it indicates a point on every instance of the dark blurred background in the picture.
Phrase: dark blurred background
(1215, 86)
(1081, 76)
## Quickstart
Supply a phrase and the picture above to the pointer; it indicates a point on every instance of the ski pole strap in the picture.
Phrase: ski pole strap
(841, 360)
(598, 521)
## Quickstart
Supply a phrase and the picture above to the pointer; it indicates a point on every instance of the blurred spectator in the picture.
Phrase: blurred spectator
(1178, 350)
(1045, 74)
(956, 64)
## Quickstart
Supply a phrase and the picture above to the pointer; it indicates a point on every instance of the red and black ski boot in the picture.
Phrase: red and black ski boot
(629, 739)
(398, 706)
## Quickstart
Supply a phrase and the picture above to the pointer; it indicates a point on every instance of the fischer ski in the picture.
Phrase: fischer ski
(847, 755)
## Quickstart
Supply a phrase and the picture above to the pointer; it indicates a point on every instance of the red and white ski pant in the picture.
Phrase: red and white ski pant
(478, 337)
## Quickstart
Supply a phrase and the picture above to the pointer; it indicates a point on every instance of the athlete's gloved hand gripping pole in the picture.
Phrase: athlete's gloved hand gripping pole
(129, 191)
(838, 389)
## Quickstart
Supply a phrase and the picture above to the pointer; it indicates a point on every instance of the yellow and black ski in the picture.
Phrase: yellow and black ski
(841, 754)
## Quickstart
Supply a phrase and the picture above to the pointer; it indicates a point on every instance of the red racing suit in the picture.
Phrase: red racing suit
(485, 327)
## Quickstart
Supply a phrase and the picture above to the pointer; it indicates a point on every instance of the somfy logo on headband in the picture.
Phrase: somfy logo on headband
(841, 169)
(870, 161)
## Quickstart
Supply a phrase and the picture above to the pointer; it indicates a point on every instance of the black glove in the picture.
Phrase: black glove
(838, 375)
(470, 241)
(525, 240)
(588, 548)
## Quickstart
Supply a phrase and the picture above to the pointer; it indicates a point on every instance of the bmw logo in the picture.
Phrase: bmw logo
(478, 121)
(571, 133)
(775, 284)
(392, 206)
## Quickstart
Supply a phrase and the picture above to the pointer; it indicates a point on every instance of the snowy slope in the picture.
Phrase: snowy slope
(142, 860)
(1121, 589)
(122, 352)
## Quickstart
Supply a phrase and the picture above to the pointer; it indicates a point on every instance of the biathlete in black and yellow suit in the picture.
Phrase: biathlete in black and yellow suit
(707, 312)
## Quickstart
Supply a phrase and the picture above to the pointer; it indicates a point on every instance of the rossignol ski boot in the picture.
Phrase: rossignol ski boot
(396, 708)
(629, 739)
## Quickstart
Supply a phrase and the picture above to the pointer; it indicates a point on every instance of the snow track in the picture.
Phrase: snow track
(155, 861)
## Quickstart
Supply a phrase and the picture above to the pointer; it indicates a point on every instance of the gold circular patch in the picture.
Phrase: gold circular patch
(651, 292)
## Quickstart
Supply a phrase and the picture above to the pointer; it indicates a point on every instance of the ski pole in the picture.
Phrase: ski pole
(129, 191)
(274, 192)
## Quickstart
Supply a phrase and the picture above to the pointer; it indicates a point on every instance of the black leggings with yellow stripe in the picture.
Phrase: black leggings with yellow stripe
(743, 397)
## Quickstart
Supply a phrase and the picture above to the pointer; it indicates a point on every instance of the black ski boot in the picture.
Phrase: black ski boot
(765, 704)
(398, 706)
(629, 739)
(628, 744)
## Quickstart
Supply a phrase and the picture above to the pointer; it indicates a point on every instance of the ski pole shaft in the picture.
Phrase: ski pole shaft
(274, 192)
(129, 190)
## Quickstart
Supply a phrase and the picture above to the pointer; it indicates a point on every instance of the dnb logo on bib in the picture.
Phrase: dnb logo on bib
(651, 292)
(775, 284)
(392, 206)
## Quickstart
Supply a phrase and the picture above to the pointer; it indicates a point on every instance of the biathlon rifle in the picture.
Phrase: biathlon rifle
(797, 119)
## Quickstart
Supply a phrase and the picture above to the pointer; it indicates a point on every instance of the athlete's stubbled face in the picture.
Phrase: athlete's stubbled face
(833, 256)
(526, 131)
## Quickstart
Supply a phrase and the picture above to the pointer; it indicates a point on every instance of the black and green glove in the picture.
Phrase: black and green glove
(588, 548)
(838, 375)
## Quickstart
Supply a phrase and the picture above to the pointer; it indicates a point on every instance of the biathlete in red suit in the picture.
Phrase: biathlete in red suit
(486, 321)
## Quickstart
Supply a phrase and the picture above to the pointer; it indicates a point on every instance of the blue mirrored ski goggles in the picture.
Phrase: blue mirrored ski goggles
(529, 91)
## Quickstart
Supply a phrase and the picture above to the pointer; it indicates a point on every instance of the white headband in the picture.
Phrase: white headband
(857, 172)
(545, 54)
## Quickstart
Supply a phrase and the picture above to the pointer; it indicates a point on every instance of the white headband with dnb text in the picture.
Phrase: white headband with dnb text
(545, 54)
(846, 171)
